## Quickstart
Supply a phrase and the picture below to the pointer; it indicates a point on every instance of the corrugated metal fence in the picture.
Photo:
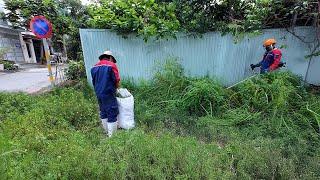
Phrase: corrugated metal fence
(212, 54)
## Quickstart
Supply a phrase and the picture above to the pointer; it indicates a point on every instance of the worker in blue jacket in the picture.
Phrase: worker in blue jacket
(106, 79)
(271, 60)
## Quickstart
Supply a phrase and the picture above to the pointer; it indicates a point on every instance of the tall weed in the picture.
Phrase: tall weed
(188, 128)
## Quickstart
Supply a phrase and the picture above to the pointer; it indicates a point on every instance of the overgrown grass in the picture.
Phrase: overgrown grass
(188, 128)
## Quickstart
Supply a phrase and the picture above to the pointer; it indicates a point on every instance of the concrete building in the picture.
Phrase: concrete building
(32, 47)
(10, 39)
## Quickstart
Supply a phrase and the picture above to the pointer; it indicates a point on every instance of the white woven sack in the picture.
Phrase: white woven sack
(126, 111)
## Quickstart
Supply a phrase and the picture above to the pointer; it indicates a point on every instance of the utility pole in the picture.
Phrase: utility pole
(47, 55)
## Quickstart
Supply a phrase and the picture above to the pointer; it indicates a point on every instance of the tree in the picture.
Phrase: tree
(67, 16)
(146, 18)
(199, 16)
(164, 18)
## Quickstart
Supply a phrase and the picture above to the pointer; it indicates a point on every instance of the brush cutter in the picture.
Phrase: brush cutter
(281, 65)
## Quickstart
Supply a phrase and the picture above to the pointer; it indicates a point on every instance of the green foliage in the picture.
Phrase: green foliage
(14, 104)
(172, 90)
(267, 116)
(188, 128)
(317, 53)
(8, 65)
(3, 52)
(146, 18)
(165, 17)
(50, 141)
(76, 70)
(203, 95)
(271, 92)
(2, 16)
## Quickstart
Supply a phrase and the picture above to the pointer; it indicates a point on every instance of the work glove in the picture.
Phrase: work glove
(252, 66)
(282, 64)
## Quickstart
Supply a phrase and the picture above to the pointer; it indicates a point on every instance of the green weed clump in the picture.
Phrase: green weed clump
(76, 70)
(171, 97)
(272, 107)
(187, 128)
(11, 104)
(274, 92)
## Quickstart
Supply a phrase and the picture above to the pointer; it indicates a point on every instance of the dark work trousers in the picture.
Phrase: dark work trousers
(108, 107)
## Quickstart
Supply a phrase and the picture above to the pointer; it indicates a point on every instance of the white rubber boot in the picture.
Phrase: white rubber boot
(105, 124)
(112, 127)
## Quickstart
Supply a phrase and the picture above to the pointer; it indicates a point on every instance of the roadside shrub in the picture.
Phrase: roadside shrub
(76, 70)
(8, 65)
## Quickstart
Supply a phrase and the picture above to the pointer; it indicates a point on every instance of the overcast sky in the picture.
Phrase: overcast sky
(85, 2)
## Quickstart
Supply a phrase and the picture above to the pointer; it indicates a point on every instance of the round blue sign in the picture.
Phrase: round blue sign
(41, 27)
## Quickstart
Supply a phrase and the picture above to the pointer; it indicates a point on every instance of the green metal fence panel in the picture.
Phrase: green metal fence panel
(212, 54)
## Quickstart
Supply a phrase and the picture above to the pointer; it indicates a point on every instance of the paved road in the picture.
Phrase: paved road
(29, 80)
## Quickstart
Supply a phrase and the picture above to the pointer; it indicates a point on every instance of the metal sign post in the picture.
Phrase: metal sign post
(42, 28)
(47, 55)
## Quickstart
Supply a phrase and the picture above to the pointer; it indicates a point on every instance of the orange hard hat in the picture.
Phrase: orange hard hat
(269, 42)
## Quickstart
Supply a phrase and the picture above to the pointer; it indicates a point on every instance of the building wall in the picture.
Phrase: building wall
(214, 55)
(10, 39)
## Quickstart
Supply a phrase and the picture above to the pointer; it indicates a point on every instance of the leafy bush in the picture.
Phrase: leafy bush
(147, 18)
(76, 70)
(8, 65)
(163, 18)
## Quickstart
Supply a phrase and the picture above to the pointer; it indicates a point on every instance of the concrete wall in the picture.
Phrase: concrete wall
(214, 55)
(9, 38)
